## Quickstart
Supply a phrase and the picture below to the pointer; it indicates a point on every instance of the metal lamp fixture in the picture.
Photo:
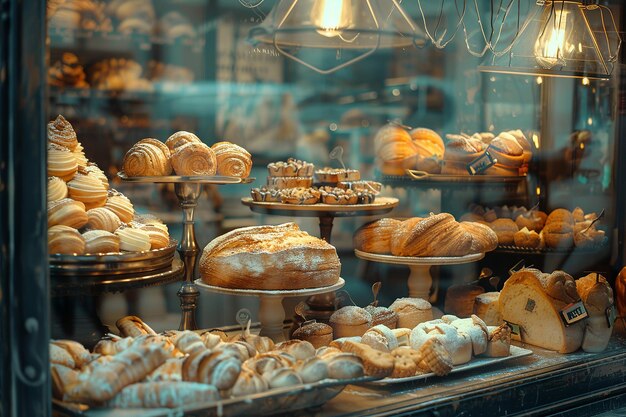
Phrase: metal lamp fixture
(355, 29)
(563, 39)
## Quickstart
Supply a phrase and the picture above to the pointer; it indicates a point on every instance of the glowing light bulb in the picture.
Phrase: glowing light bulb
(553, 44)
(332, 17)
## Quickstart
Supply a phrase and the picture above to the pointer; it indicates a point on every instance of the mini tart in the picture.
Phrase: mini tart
(338, 196)
(332, 176)
(291, 168)
(264, 194)
(67, 212)
(101, 241)
(133, 240)
(317, 334)
(300, 196)
(66, 240)
(57, 189)
(119, 204)
(350, 321)
(88, 189)
(101, 218)
(289, 182)
(61, 162)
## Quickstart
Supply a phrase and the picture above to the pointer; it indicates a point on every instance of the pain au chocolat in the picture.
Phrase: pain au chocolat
(279, 257)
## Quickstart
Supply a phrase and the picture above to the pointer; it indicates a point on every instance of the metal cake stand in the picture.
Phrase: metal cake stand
(187, 189)
(420, 279)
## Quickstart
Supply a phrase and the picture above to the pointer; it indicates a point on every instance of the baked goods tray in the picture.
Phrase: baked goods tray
(197, 179)
(280, 400)
(379, 206)
(476, 363)
(107, 264)
(425, 178)
(545, 251)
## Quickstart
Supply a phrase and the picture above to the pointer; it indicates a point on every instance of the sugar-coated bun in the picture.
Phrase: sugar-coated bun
(350, 321)
(459, 345)
(411, 311)
(318, 334)
(299, 349)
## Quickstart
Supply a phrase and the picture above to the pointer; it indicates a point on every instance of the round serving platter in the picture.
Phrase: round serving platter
(173, 179)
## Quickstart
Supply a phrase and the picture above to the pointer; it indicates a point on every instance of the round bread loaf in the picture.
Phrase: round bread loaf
(505, 230)
(412, 311)
(269, 258)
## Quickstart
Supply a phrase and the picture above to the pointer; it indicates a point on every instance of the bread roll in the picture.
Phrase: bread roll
(505, 230)
(375, 237)
(146, 158)
(483, 238)
(318, 334)
(558, 234)
(411, 311)
(527, 239)
(271, 258)
(533, 300)
(507, 151)
(194, 159)
(350, 321)
(232, 160)
(380, 337)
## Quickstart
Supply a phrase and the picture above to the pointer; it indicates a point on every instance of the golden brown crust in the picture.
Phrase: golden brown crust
(505, 230)
(527, 239)
(180, 138)
(194, 159)
(558, 234)
(232, 160)
(561, 215)
(428, 142)
(483, 238)
(146, 159)
(375, 362)
(67, 212)
(436, 235)
(375, 237)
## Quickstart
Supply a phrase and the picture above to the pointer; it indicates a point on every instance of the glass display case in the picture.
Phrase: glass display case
(122, 71)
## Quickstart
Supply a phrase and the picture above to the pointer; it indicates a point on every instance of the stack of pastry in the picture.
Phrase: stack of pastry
(78, 14)
(291, 174)
(79, 200)
(141, 369)
(398, 149)
(186, 155)
(136, 16)
(433, 236)
(67, 72)
(518, 226)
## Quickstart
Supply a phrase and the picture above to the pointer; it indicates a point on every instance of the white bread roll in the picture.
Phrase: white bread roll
(412, 311)
(533, 300)
(269, 258)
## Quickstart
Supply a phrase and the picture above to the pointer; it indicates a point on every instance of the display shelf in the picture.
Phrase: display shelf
(419, 280)
(438, 181)
(271, 311)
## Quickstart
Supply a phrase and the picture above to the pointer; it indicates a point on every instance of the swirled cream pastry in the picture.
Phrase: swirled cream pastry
(66, 240)
(101, 241)
(57, 189)
(133, 240)
(61, 162)
(159, 236)
(148, 157)
(101, 218)
(61, 132)
(88, 189)
(119, 204)
(181, 138)
(194, 159)
(94, 170)
(79, 154)
(232, 160)
(67, 212)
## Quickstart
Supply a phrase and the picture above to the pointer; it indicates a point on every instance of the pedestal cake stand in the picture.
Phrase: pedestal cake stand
(187, 189)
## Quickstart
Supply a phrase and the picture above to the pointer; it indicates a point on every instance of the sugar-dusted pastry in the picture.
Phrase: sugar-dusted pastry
(232, 160)
(133, 240)
(300, 196)
(312, 369)
(375, 362)
(66, 240)
(147, 158)
(61, 132)
(458, 344)
(194, 159)
(411, 311)
(93, 169)
(282, 377)
(163, 394)
(265, 194)
(61, 162)
(102, 218)
(291, 168)
(217, 368)
(119, 204)
(524, 143)
(299, 349)
(508, 153)
(101, 241)
(289, 182)
(67, 212)
(403, 335)
(317, 334)
(484, 239)
(338, 196)
(88, 189)
(269, 257)
(383, 315)
(460, 151)
(460, 299)
(476, 329)
(380, 337)
(350, 321)
(79, 155)
(332, 176)
(375, 236)
(181, 138)
(57, 189)
(435, 357)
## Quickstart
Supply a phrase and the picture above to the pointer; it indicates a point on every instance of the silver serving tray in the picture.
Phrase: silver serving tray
(174, 179)
(275, 401)
(121, 263)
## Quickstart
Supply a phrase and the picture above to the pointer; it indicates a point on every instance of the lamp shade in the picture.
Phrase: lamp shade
(359, 27)
(562, 39)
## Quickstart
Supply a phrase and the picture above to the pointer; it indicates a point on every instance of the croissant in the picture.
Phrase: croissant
(146, 159)
(61, 132)
(181, 138)
(393, 144)
(164, 394)
(133, 326)
(194, 159)
(436, 235)
(483, 238)
(232, 160)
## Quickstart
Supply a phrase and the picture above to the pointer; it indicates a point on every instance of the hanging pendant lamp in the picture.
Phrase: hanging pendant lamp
(562, 39)
(354, 29)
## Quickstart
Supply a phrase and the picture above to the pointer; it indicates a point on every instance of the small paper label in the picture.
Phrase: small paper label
(530, 305)
(480, 164)
(610, 316)
(515, 328)
(573, 313)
